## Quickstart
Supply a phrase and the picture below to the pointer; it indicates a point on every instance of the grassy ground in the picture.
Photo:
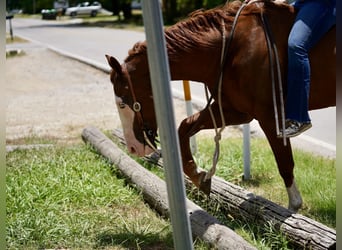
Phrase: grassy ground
(70, 197)
(315, 176)
(103, 20)
(15, 39)
(73, 198)
(134, 24)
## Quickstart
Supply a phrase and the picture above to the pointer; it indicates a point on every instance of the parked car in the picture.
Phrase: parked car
(84, 8)
(49, 14)
(136, 5)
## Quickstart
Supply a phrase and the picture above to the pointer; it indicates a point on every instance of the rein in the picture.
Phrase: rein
(272, 47)
(218, 132)
(225, 47)
(136, 106)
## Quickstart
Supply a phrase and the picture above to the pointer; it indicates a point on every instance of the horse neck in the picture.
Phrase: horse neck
(200, 63)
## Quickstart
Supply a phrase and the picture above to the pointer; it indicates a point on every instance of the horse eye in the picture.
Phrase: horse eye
(122, 105)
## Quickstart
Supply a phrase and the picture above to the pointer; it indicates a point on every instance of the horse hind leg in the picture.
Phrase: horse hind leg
(284, 159)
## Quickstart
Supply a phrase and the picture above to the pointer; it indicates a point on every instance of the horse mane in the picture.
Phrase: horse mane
(188, 33)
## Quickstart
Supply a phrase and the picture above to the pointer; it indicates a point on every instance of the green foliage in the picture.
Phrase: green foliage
(212, 3)
(29, 6)
(72, 198)
(172, 9)
(315, 175)
(184, 7)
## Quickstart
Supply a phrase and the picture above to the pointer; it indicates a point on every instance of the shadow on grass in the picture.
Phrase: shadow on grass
(134, 23)
(130, 240)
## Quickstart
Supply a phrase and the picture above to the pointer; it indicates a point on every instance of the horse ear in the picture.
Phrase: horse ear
(114, 64)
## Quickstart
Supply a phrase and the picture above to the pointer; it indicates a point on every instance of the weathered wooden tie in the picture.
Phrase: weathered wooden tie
(240, 203)
(153, 188)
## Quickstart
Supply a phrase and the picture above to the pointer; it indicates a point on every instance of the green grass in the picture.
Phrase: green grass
(73, 198)
(16, 39)
(133, 24)
(315, 175)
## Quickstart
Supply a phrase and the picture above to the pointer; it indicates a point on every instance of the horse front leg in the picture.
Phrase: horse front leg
(189, 127)
(284, 159)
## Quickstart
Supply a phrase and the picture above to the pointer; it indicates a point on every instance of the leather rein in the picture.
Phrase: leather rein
(147, 133)
(273, 56)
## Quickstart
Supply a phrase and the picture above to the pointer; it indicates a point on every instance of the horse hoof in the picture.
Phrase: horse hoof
(294, 208)
(205, 186)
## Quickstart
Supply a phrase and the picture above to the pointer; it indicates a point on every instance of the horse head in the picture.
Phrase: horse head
(134, 100)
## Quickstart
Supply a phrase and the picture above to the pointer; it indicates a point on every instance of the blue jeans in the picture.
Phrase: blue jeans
(313, 20)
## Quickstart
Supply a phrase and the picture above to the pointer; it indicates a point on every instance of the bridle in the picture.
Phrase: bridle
(148, 133)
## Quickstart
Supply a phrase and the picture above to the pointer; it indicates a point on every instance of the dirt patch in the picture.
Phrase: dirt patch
(51, 96)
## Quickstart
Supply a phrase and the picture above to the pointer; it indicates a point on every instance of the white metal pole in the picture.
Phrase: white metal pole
(246, 152)
(160, 78)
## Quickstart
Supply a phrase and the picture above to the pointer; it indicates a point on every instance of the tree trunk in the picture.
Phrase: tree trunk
(127, 11)
(170, 11)
(115, 7)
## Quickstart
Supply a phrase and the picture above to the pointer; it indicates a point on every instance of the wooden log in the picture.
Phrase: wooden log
(154, 191)
(300, 230)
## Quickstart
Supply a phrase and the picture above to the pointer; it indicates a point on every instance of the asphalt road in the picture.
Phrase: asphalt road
(90, 44)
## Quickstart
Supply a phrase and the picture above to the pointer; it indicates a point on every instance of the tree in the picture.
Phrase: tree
(213, 3)
(198, 4)
(174, 9)
(115, 7)
(170, 10)
(29, 6)
(126, 9)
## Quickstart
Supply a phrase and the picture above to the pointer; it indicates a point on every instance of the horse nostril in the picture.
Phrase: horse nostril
(132, 150)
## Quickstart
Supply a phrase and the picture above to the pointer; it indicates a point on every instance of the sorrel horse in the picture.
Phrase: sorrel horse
(194, 48)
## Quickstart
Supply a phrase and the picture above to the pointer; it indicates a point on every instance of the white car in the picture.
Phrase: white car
(84, 8)
(136, 5)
